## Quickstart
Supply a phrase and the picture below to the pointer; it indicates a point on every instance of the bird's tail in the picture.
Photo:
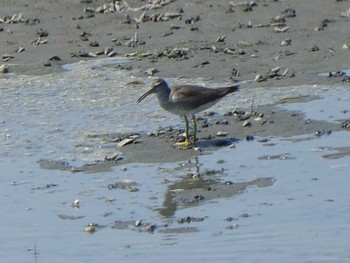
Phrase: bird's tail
(232, 89)
(226, 90)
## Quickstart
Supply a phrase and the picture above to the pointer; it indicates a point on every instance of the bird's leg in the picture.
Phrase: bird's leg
(194, 130)
(186, 132)
(186, 142)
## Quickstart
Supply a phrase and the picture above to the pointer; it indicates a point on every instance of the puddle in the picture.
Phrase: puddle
(271, 200)
(258, 204)
(332, 106)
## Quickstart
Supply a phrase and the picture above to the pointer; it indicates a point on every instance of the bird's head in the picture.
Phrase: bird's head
(157, 86)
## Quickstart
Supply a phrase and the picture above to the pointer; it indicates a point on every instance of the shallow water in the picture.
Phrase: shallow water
(300, 214)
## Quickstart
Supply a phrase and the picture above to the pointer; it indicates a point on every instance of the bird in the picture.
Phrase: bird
(186, 101)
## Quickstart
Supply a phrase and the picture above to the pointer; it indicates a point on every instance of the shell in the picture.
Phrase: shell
(221, 133)
(125, 142)
(246, 123)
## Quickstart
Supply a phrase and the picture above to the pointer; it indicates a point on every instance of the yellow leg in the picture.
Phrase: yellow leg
(194, 130)
(186, 143)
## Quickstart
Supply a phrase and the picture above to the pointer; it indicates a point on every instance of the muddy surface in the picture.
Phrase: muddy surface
(214, 132)
(219, 40)
(89, 174)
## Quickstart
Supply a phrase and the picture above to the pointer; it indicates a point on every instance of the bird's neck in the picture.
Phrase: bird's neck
(163, 95)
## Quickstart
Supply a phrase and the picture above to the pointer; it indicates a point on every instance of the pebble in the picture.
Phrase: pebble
(346, 46)
(75, 204)
(233, 226)
(286, 42)
(221, 133)
(138, 223)
(197, 149)
(151, 71)
(150, 228)
(91, 228)
(20, 49)
(345, 13)
(259, 78)
(221, 38)
(7, 57)
(112, 54)
(281, 29)
(275, 70)
(4, 69)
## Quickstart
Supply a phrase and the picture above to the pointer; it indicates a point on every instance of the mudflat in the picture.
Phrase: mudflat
(277, 43)
(271, 43)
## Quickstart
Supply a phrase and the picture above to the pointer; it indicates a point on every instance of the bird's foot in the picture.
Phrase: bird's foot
(184, 145)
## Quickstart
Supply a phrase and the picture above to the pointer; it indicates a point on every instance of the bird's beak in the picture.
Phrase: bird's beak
(151, 91)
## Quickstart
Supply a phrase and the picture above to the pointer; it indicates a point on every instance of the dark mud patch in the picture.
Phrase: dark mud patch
(341, 152)
(195, 191)
(214, 132)
(141, 226)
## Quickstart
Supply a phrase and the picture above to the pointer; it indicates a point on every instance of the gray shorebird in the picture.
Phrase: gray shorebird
(186, 100)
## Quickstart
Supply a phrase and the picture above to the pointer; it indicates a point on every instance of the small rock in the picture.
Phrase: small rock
(249, 138)
(345, 13)
(275, 70)
(20, 49)
(42, 33)
(138, 223)
(286, 42)
(112, 54)
(345, 124)
(151, 71)
(285, 72)
(221, 38)
(346, 46)
(91, 228)
(7, 57)
(197, 149)
(108, 50)
(75, 204)
(91, 54)
(4, 69)
(259, 78)
(281, 29)
(150, 228)
(222, 133)
(228, 51)
(223, 122)
(233, 226)
(114, 157)
(313, 48)
(47, 64)
(94, 44)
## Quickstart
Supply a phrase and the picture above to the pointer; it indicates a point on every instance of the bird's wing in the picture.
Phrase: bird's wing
(187, 92)
(194, 95)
